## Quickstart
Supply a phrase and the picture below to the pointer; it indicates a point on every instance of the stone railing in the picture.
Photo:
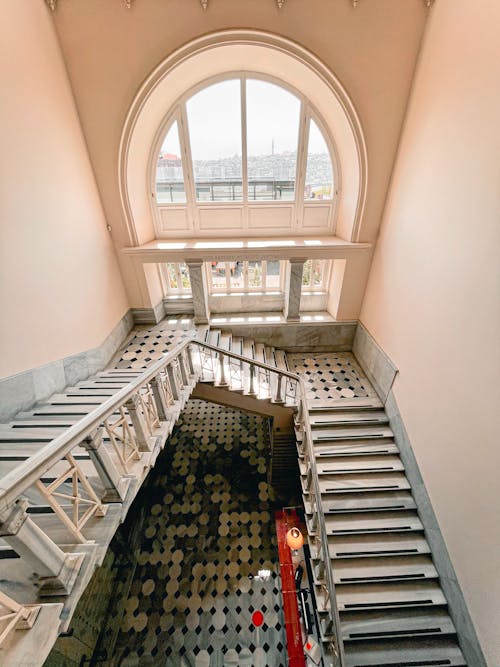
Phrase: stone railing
(91, 467)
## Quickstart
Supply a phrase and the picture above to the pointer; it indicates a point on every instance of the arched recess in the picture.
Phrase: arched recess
(243, 50)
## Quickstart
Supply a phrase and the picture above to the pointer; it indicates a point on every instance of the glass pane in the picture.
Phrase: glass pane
(254, 274)
(319, 172)
(317, 273)
(218, 270)
(185, 279)
(172, 277)
(306, 274)
(236, 277)
(272, 137)
(169, 175)
(214, 117)
(273, 274)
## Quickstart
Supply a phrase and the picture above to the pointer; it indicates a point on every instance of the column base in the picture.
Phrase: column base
(65, 580)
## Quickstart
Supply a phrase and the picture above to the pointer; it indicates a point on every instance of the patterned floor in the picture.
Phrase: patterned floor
(208, 558)
(334, 373)
(149, 345)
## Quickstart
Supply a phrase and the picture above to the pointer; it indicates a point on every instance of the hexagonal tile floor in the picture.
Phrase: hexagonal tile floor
(208, 557)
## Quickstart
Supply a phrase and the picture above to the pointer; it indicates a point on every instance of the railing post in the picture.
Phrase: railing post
(182, 368)
(173, 382)
(139, 423)
(279, 389)
(160, 398)
(55, 570)
(189, 355)
(114, 483)
(252, 391)
(223, 381)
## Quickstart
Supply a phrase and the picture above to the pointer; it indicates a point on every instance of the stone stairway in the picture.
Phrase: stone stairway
(392, 609)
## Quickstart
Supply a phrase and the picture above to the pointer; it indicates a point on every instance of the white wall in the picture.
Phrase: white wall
(432, 300)
(60, 287)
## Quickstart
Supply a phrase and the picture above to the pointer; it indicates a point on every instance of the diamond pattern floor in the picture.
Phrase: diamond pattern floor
(208, 557)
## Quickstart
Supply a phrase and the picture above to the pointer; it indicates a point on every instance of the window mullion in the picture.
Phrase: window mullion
(301, 163)
(244, 164)
(263, 265)
(189, 183)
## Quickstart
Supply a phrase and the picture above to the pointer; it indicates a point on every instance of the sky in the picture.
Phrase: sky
(214, 119)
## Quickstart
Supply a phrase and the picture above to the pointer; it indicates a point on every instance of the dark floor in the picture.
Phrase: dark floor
(206, 556)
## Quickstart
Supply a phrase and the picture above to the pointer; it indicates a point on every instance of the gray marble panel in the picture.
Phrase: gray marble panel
(149, 315)
(48, 379)
(320, 337)
(379, 369)
(21, 391)
(17, 392)
(469, 642)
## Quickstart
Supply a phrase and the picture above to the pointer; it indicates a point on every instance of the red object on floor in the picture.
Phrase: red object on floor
(257, 618)
(284, 521)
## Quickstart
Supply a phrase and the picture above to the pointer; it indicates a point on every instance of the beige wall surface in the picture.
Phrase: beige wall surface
(60, 287)
(110, 50)
(432, 300)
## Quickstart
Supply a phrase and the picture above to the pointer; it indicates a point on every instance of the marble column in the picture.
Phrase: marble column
(293, 288)
(199, 290)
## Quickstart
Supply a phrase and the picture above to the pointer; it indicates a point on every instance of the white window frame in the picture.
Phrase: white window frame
(246, 289)
(180, 289)
(192, 206)
(326, 266)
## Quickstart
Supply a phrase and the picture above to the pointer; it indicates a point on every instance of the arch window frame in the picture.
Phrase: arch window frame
(191, 208)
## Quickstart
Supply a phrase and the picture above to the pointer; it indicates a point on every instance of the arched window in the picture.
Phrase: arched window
(244, 155)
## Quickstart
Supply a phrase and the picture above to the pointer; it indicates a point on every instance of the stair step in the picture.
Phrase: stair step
(340, 417)
(377, 544)
(280, 360)
(225, 341)
(372, 570)
(363, 482)
(372, 522)
(237, 345)
(351, 433)
(389, 595)
(213, 337)
(369, 625)
(365, 464)
(355, 448)
(363, 402)
(413, 653)
(374, 502)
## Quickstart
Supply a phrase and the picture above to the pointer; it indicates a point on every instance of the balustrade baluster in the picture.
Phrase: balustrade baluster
(138, 420)
(114, 487)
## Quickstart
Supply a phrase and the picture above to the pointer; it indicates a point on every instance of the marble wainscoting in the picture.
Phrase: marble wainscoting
(457, 605)
(21, 391)
(379, 369)
(296, 337)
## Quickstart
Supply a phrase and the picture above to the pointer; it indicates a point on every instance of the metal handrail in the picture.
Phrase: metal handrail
(28, 472)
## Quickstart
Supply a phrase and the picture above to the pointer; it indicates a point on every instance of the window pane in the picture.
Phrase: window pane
(172, 277)
(218, 275)
(214, 117)
(272, 137)
(273, 274)
(319, 172)
(236, 277)
(169, 175)
(185, 279)
(317, 273)
(306, 274)
(254, 274)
